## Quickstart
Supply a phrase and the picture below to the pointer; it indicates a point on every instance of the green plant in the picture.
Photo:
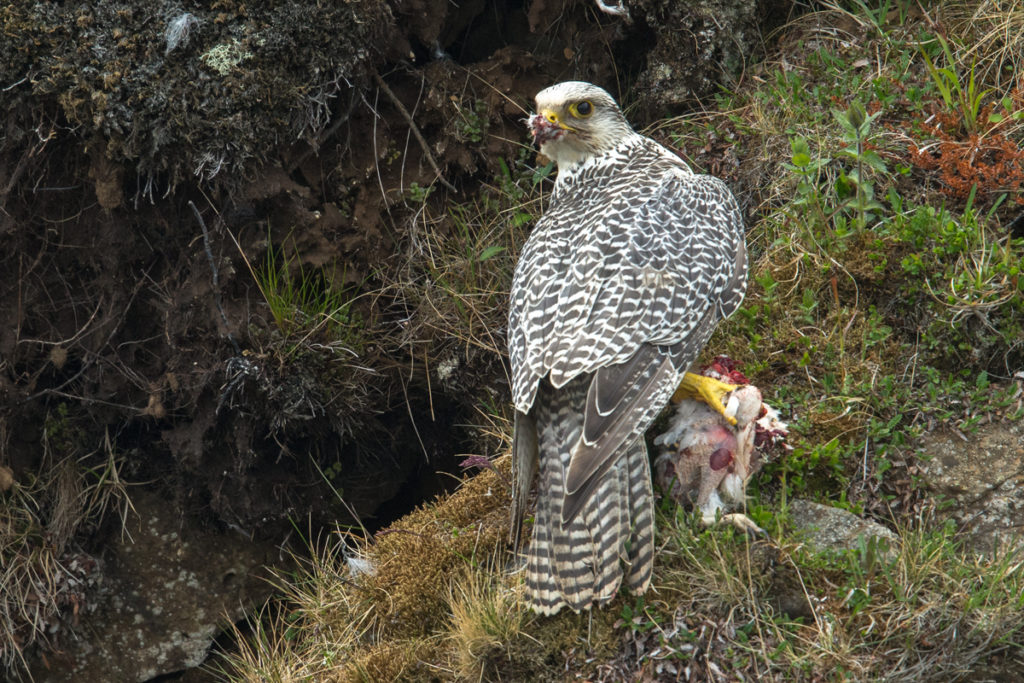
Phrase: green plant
(302, 300)
(830, 202)
(856, 126)
(419, 194)
(1010, 112)
(965, 266)
(879, 15)
(962, 96)
(635, 616)
(807, 169)
(472, 122)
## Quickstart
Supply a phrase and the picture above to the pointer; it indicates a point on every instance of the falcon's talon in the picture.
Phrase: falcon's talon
(737, 519)
(706, 389)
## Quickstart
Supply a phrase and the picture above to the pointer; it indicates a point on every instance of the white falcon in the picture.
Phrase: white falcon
(617, 289)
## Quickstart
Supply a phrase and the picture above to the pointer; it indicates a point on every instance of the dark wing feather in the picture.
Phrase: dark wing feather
(524, 467)
(619, 401)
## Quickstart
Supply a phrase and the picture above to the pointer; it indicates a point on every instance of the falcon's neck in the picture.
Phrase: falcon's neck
(571, 166)
(596, 168)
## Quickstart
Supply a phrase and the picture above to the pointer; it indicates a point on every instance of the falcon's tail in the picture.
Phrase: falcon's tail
(612, 537)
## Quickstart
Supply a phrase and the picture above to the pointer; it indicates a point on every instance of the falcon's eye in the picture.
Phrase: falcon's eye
(581, 109)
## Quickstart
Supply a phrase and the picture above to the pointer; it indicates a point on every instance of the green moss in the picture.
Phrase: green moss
(418, 556)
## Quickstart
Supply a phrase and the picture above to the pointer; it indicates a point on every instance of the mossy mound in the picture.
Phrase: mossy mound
(416, 557)
(699, 46)
(175, 91)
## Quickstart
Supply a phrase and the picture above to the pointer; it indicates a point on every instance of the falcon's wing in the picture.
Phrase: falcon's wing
(660, 265)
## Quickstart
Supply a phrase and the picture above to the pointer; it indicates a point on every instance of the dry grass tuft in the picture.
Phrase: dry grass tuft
(449, 291)
(488, 624)
(459, 265)
(265, 653)
(992, 32)
(45, 577)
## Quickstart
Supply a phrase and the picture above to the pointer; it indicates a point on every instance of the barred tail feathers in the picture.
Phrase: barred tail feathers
(641, 512)
(582, 562)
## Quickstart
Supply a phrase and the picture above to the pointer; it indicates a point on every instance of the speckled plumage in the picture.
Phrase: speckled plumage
(621, 283)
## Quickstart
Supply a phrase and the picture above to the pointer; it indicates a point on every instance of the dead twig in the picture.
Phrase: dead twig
(216, 278)
(321, 139)
(415, 131)
(67, 341)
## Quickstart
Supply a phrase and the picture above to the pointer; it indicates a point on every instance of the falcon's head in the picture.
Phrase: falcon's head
(576, 121)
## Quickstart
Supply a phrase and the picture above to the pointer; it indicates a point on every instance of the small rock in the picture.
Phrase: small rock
(982, 474)
(787, 594)
(167, 590)
(6, 478)
(829, 528)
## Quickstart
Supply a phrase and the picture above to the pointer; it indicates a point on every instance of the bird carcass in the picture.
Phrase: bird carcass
(705, 462)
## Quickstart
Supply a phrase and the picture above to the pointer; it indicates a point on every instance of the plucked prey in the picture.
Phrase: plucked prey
(705, 461)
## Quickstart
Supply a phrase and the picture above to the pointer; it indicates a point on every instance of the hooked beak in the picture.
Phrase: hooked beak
(546, 127)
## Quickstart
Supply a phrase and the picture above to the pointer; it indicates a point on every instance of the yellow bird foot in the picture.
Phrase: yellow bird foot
(707, 389)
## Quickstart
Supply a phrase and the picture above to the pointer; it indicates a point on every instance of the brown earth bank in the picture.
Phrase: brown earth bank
(212, 283)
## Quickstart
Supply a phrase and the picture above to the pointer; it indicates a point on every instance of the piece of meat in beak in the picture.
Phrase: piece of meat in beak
(544, 129)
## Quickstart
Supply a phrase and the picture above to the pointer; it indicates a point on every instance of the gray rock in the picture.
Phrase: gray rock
(695, 44)
(980, 476)
(824, 528)
(829, 528)
(167, 590)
